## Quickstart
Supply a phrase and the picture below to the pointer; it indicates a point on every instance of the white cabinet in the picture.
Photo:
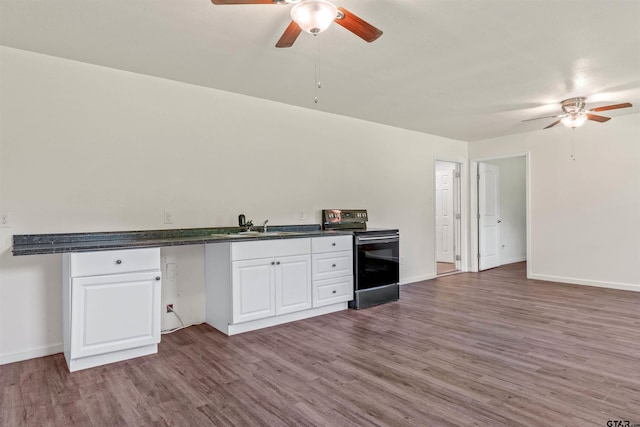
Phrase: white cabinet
(252, 285)
(111, 306)
(253, 290)
(293, 284)
(332, 266)
(270, 286)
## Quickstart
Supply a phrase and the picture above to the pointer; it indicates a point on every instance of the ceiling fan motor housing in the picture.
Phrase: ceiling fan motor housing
(573, 105)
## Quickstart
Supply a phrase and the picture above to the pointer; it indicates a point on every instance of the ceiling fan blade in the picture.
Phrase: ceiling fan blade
(595, 118)
(290, 35)
(223, 2)
(553, 124)
(611, 107)
(357, 26)
(545, 117)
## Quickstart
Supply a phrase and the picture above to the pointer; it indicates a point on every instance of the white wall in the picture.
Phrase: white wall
(585, 213)
(87, 148)
(513, 208)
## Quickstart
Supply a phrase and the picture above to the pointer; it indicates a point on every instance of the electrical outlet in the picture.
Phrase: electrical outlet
(169, 308)
(168, 217)
(5, 220)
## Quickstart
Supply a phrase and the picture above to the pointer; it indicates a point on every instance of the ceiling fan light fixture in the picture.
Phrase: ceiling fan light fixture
(574, 120)
(314, 16)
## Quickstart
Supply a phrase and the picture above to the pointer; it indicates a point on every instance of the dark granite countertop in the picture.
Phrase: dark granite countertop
(40, 244)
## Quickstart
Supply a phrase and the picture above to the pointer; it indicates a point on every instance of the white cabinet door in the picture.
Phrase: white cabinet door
(253, 284)
(114, 312)
(293, 283)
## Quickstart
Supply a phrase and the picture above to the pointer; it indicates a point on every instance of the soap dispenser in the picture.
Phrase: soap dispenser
(242, 221)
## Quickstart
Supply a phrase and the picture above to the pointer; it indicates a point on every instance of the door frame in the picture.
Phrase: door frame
(464, 212)
(474, 243)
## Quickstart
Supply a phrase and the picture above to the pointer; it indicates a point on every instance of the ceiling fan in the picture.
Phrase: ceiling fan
(313, 17)
(574, 113)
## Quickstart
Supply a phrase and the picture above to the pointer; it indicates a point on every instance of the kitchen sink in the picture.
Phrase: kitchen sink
(257, 234)
(267, 233)
(279, 233)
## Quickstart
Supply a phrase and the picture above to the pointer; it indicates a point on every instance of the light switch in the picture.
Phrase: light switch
(5, 220)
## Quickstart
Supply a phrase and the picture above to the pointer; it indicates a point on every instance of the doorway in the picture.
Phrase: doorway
(448, 217)
(500, 206)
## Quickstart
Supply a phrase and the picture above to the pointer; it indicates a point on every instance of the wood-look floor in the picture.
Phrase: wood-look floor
(445, 267)
(488, 349)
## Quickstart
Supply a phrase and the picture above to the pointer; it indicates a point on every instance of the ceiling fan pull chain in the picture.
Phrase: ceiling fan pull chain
(573, 144)
(317, 83)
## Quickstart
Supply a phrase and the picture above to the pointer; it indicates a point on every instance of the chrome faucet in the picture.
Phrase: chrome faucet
(249, 224)
(264, 226)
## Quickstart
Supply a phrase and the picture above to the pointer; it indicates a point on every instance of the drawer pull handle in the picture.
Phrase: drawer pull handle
(273, 263)
(333, 292)
(277, 262)
(333, 244)
(157, 277)
(118, 261)
(334, 266)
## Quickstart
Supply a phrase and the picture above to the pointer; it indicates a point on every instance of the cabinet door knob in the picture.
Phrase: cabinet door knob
(118, 261)
(273, 263)
(277, 262)
(334, 266)
(158, 278)
(333, 292)
(333, 244)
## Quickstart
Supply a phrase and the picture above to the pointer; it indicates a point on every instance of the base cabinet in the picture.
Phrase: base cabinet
(270, 287)
(112, 312)
(252, 285)
(332, 270)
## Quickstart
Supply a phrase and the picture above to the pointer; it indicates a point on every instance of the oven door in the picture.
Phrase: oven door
(377, 261)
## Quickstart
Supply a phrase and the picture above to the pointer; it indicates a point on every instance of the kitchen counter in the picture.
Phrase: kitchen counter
(40, 244)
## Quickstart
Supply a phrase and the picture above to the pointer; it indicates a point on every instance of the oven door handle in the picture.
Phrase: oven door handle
(391, 238)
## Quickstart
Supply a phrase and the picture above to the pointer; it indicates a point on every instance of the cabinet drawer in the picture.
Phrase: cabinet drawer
(114, 262)
(332, 264)
(269, 248)
(331, 291)
(331, 244)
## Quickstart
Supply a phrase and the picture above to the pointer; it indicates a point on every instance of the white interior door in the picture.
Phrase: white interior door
(457, 216)
(488, 216)
(444, 216)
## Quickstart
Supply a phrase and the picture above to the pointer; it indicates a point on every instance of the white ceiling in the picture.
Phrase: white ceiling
(462, 69)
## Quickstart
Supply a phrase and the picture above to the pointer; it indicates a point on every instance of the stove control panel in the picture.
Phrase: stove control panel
(344, 218)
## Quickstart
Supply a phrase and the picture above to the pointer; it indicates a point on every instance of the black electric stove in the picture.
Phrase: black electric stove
(376, 260)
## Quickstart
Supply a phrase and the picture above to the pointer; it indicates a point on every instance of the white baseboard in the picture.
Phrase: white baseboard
(407, 280)
(513, 260)
(253, 325)
(31, 353)
(585, 282)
